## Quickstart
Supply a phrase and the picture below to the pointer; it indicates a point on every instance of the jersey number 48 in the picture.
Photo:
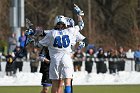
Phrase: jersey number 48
(61, 42)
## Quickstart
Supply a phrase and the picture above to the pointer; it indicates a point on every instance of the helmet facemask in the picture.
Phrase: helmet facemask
(60, 22)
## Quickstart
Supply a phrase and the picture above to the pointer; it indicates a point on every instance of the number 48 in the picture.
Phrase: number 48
(63, 41)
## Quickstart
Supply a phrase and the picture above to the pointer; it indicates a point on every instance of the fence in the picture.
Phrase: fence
(129, 65)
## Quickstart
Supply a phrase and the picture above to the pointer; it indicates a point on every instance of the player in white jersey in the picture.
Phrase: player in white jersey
(59, 41)
(78, 37)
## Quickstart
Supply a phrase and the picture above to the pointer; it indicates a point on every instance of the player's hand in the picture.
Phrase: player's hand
(29, 32)
(46, 60)
(78, 11)
(41, 57)
(81, 45)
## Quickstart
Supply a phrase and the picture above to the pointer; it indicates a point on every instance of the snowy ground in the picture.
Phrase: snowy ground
(80, 78)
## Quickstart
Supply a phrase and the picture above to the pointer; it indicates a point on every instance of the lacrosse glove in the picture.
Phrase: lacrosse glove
(78, 11)
(81, 45)
(41, 57)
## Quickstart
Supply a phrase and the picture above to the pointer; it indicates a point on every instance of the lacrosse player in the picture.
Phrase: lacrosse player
(59, 41)
(45, 60)
(44, 69)
(77, 37)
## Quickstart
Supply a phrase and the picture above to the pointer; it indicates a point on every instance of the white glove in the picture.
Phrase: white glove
(29, 32)
(41, 58)
(78, 11)
(81, 45)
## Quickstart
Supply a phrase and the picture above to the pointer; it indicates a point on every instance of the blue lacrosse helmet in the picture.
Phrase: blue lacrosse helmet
(60, 19)
(70, 22)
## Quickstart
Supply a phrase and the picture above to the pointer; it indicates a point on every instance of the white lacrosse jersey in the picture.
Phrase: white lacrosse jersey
(79, 37)
(60, 40)
(59, 44)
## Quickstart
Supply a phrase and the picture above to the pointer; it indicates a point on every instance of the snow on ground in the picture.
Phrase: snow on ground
(26, 78)
(82, 78)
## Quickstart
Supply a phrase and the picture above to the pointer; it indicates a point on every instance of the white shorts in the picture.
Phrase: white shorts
(61, 67)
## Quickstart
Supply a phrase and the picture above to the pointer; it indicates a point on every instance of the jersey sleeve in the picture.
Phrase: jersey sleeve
(46, 40)
(46, 31)
(79, 37)
(74, 29)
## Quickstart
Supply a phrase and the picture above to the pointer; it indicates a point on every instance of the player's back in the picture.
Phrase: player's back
(60, 41)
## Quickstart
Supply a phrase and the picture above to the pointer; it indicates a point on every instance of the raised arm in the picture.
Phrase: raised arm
(79, 13)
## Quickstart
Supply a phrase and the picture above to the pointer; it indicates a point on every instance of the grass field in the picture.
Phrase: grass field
(76, 89)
